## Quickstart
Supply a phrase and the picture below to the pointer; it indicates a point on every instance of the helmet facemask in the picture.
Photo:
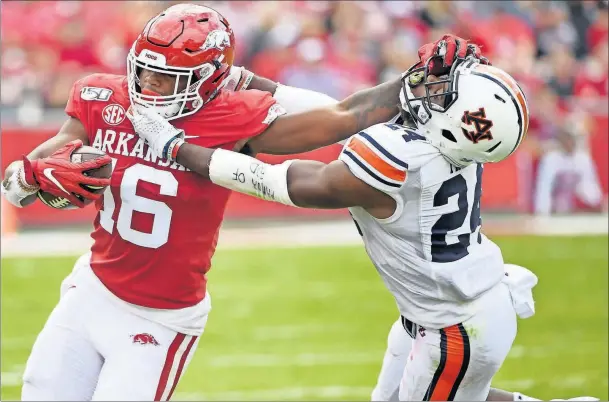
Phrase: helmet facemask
(182, 102)
(431, 109)
(421, 107)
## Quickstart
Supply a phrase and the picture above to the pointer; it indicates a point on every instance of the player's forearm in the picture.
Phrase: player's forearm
(195, 158)
(237, 172)
(234, 171)
(71, 130)
(333, 123)
(373, 105)
(307, 187)
(294, 182)
(303, 132)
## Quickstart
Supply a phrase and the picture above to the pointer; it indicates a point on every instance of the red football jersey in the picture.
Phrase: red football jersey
(157, 225)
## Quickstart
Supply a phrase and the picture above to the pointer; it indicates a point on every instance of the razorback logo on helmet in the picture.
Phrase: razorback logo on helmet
(95, 94)
(218, 39)
(482, 125)
(113, 114)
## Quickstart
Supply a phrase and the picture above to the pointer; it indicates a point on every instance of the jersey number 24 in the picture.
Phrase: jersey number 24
(441, 251)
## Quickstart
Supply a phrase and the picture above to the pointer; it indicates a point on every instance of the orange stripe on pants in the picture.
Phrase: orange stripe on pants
(456, 352)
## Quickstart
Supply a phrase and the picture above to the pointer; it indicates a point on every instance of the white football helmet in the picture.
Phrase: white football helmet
(482, 115)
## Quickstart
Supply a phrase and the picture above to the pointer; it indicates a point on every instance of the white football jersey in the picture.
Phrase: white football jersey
(430, 252)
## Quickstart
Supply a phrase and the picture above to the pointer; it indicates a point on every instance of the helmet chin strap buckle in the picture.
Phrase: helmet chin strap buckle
(423, 115)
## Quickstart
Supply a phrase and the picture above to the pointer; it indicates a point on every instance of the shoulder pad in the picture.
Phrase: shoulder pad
(99, 87)
(382, 155)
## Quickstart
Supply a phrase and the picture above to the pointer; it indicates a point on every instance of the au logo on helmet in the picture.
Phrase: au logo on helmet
(482, 125)
(217, 39)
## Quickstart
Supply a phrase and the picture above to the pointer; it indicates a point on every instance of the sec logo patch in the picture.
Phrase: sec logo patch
(113, 114)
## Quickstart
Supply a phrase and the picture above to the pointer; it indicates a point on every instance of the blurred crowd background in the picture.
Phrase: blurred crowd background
(558, 50)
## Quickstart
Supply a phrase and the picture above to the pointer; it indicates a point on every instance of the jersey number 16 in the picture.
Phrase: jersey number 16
(130, 202)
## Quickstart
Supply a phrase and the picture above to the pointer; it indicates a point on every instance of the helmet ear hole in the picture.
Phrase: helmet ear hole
(448, 135)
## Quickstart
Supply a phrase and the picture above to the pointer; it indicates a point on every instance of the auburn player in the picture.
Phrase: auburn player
(131, 312)
(415, 197)
(399, 342)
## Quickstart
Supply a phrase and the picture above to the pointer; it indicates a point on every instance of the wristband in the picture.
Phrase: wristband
(168, 148)
(172, 149)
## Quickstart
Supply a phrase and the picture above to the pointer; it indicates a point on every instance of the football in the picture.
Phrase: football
(82, 154)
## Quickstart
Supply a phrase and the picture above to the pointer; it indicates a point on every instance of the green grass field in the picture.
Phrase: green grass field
(311, 323)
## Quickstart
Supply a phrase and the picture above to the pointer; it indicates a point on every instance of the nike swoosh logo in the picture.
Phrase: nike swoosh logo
(191, 136)
(48, 172)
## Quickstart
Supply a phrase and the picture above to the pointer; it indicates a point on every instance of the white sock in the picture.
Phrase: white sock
(520, 397)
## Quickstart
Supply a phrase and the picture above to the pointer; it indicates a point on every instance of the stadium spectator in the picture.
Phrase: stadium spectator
(566, 174)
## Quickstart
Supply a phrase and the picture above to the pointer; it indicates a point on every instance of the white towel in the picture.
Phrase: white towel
(521, 281)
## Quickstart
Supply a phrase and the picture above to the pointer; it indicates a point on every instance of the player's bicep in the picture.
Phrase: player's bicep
(71, 130)
(302, 132)
(317, 185)
(257, 82)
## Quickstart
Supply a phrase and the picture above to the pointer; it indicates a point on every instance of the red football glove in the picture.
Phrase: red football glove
(447, 50)
(58, 175)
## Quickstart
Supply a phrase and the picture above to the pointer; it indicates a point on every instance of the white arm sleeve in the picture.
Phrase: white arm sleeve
(250, 176)
(298, 100)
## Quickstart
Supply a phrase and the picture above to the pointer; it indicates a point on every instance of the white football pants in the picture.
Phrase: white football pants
(91, 349)
(454, 363)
